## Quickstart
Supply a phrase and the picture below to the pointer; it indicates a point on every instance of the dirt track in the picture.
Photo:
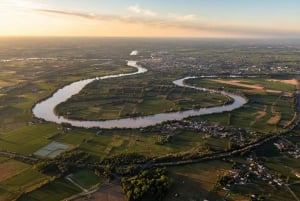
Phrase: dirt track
(249, 86)
(107, 192)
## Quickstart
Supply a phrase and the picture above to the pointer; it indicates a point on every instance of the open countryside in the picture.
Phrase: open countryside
(103, 156)
(149, 101)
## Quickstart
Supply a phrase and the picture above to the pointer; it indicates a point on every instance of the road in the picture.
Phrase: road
(19, 157)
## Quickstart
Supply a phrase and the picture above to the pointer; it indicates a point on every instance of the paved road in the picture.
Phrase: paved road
(19, 157)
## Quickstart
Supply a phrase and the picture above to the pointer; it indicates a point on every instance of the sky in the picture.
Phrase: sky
(151, 18)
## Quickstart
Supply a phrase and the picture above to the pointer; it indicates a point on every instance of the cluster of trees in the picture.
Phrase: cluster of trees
(123, 164)
(148, 184)
(124, 159)
(64, 163)
(181, 156)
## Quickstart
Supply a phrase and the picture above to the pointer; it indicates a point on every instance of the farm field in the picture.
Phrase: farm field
(52, 150)
(85, 178)
(141, 96)
(270, 110)
(196, 181)
(270, 106)
(56, 190)
(25, 181)
(108, 192)
(109, 144)
(10, 168)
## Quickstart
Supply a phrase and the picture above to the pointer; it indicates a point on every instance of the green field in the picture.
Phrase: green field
(115, 142)
(54, 191)
(23, 82)
(52, 150)
(143, 95)
(28, 139)
(196, 182)
(10, 168)
(26, 181)
(86, 178)
(265, 111)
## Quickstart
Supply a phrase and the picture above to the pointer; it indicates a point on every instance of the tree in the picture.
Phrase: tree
(153, 183)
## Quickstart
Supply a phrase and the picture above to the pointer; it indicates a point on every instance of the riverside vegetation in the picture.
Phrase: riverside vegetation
(32, 69)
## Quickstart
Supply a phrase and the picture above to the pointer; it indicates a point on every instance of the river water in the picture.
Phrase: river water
(45, 109)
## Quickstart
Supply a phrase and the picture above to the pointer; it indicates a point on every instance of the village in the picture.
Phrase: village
(245, 173)
(287, 148)
(238, 136)
(165, 60)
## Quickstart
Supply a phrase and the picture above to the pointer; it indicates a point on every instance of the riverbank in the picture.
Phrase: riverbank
(45, 109)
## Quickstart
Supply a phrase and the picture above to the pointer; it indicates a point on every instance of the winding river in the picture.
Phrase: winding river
(45, 109)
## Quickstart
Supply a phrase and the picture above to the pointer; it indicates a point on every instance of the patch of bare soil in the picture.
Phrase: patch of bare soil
(107, 192)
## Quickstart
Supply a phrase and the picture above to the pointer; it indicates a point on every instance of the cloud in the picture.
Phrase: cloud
(149, 13)
(137, 9)
(182, 18)
(26, 4)
(181, 24)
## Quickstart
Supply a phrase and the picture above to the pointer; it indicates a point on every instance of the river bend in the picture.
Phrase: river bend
(46, 109)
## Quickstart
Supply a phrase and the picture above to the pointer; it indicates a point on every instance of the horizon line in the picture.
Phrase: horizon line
(147, 37)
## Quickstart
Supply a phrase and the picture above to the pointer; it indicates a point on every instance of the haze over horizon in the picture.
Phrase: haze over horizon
(142, 18)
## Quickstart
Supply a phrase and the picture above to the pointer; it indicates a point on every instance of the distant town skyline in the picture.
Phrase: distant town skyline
(144, 18)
